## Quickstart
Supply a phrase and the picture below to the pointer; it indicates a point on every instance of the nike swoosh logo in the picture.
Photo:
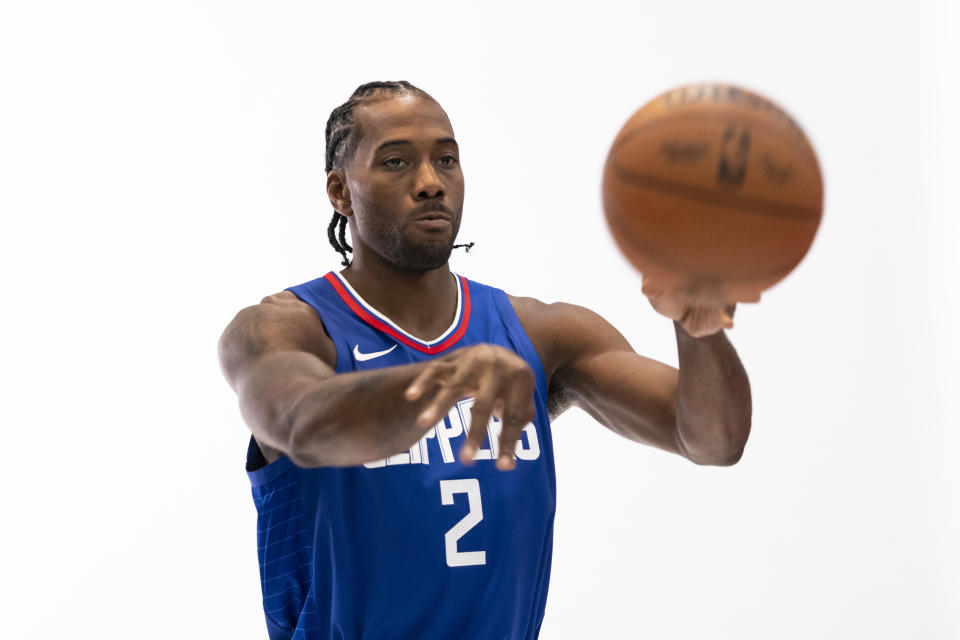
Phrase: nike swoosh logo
(370, 356)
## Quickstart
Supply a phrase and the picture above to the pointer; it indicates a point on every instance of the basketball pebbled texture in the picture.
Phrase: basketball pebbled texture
(714, 188)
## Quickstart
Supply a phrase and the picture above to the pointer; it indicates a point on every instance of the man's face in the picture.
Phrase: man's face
(405, 182)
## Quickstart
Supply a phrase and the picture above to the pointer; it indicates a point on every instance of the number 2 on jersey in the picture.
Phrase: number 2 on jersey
(471, 487)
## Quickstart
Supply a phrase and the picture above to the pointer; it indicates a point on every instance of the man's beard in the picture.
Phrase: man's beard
(424, 257)
(418, 257)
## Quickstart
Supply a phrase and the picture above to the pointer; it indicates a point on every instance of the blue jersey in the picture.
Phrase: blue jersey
(416, 545)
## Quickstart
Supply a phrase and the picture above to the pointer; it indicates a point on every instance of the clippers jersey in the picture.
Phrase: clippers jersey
(416, 545)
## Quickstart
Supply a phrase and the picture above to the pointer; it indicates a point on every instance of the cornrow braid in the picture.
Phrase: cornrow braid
(342, 135)
(341, 125)
(332, 236)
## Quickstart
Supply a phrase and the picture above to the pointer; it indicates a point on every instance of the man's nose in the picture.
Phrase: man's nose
(427, 183)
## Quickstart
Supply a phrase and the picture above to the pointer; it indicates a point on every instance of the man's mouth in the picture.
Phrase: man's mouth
(434, 215)
(433, 210)
(434, 221)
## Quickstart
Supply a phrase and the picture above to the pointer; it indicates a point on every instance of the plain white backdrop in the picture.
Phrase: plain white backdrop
(161, 166)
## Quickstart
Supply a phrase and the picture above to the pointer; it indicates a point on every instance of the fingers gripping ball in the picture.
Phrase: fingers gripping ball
(714, 189)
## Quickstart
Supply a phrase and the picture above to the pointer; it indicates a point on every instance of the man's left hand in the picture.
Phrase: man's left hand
(697, 318)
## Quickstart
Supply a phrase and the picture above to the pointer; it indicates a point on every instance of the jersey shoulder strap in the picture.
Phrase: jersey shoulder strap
(336, 318)
(516, 334)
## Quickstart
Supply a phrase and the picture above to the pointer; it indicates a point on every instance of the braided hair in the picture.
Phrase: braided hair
(342, 136)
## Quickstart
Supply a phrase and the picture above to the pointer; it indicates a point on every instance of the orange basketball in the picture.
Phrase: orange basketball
(713, 188)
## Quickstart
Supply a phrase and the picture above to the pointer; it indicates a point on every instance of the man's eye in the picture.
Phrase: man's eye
(393, 163)
(448, 160)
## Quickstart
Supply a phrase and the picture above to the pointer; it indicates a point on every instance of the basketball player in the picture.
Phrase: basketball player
(401, 459)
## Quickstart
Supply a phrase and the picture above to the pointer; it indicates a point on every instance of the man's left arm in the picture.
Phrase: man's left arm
(713, 399)
(701, 411)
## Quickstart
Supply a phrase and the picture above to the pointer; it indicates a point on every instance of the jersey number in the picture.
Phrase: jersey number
(471, 487)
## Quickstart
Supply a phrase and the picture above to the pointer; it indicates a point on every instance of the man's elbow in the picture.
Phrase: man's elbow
(310, 446)
(718, 458)
(322, 441)
(721, 459)
(724, 452)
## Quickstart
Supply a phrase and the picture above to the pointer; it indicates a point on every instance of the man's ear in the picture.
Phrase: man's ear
(338, 192)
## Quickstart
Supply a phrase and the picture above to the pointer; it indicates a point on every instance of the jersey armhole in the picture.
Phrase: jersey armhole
(255, 458)
(259, 470)
(308, 296)
(520, 339)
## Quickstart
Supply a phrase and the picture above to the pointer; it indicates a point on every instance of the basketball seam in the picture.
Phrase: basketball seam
(660, 121)
(756, 206)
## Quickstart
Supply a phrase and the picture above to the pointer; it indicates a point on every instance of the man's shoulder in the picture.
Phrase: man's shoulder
(281, 307)
(536, 315)
(526, 304)
(528, 309)
(550, 316)
(284, 299)
(281, 298)
(279, 321)
(553, 328)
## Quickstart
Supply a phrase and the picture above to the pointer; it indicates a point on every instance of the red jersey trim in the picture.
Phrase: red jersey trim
(377, 324)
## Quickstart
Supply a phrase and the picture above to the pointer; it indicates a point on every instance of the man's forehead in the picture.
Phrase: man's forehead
(406, 114)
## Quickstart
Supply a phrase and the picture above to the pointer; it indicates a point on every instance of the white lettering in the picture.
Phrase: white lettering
(494, 428)
(451, 432)
(424, 450)
(463, 408)
(532, 450)
(399, 458)
(450, 428)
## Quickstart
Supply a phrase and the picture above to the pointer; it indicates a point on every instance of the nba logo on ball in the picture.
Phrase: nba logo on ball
(715, 189)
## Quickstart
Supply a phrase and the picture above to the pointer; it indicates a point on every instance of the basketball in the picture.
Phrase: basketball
(715, 189)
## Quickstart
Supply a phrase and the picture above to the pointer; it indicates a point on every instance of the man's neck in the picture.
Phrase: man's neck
(422, 303)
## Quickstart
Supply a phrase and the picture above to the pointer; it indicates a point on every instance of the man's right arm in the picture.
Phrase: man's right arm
(280, 361)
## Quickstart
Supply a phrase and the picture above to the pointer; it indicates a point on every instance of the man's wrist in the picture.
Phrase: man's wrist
(684, 336)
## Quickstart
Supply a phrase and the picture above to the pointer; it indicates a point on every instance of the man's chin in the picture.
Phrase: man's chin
(423, 257)
(426, 260)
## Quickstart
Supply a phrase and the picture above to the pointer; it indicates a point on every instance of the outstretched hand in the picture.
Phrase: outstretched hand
(501, 383)
(697, 318)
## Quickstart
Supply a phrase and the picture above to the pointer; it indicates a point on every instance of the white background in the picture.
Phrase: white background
(161, 166)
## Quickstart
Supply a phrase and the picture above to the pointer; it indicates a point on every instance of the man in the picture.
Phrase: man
(401, 458)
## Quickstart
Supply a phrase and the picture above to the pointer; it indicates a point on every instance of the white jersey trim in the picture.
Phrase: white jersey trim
(393, 325)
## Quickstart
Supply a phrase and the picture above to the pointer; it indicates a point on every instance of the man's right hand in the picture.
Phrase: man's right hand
(501, 383)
